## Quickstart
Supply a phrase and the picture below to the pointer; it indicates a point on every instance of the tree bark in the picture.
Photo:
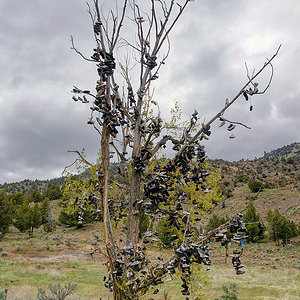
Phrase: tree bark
(109, 238)
(134, 211)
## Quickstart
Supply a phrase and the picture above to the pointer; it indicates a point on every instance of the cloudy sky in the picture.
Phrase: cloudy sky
(39, 122)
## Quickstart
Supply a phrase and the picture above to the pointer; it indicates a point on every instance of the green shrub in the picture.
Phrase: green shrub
(165, 232)
(280, 228)
(58, 292)
(144, 224)
(3, 294)
(71, 219)
(255, 231)
(230, 292)
(242, 177)
(269, 185)
(214, 222)
(254, 185)
(5, 213)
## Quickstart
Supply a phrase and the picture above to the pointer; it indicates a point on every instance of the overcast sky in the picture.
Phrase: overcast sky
(39, 122)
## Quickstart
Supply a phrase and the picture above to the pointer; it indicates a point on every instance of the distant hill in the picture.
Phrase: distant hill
(278, 166)
(278, 170)
(27, 186)
(289, 151)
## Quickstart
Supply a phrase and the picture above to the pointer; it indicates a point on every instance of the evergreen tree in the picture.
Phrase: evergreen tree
(5, 213)
(45, 209)
(165, 232)
(255, 231)
(17, 198)
(71, 218)
(27, 218)
(53, 192)
(280, 228)
(36, 218)
(254, 185)
(36, 196)
(214, 222)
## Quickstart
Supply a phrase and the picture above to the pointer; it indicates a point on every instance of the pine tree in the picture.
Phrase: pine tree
(280, 228)
(27, 218)
(45, 209)
(255, 231)
(214, 222)
(36, 196)
(5, 213)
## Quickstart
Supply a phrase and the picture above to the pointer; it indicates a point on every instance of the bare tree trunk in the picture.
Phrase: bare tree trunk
(109, 238)
(134, 213)
(226, 253)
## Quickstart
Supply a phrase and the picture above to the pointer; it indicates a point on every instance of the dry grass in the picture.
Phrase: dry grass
(260, 281)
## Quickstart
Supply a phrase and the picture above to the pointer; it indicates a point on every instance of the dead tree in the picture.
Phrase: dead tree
(119, 108)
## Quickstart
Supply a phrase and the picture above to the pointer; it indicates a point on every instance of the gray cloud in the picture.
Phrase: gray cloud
(39, 122)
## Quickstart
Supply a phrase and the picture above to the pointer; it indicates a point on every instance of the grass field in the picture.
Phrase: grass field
(23, 278)
(271, 272)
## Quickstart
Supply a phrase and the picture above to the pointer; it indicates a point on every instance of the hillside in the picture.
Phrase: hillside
(67, 254)
(278, 170)
(27, 186)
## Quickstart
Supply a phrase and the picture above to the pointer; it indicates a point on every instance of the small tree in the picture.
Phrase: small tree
(17, 198)
(27, 218)
(280, 228)
(254, 185)
(5, 213)
(79, 200)
(45, 209)
(36, 196)
(122, 113)
(167, 233)
(53, 192)
(255, 230)
(214, 222)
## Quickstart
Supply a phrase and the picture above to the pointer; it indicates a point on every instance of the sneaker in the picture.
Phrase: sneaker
(231, 127)
(222, 123)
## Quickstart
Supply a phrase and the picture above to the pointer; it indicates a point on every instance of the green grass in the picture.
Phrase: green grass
(88, 276)
(254, 284)
(23, 277)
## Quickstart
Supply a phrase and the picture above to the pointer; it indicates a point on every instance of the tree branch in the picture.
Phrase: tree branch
(221, 112)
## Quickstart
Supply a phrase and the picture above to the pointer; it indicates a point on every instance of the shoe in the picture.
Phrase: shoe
(90, 121)
(156, 291)
(222, 123)
(185, 292)
(231, 127)
(245, 95)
